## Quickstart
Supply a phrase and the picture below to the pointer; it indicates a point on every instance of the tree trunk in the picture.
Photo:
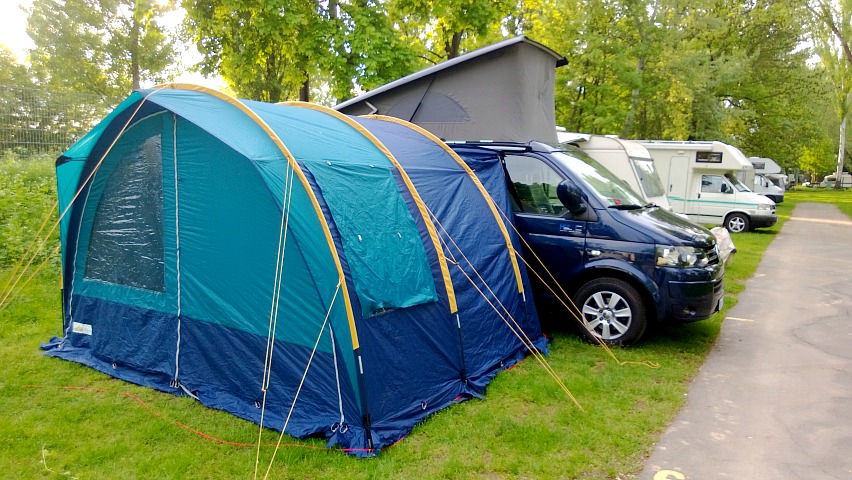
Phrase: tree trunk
(453, 47)
(841, 154)
(629, 128)
(305, 90)
(134, 47)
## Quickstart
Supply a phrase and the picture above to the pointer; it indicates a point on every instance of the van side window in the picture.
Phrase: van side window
(715, 184)
(535, 183)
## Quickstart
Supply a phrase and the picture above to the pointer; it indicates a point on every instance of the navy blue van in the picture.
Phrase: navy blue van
(624, 263)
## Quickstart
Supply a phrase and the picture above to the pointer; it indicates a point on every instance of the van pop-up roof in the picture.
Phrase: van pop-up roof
(500, 92)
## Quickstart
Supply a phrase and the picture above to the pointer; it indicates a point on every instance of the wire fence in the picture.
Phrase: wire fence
(37, 121)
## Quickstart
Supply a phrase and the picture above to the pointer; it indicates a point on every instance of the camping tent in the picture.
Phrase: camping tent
(279, 262)
(500, 92)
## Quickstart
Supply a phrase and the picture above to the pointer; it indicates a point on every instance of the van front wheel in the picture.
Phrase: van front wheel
(612, 311)
(737, 223)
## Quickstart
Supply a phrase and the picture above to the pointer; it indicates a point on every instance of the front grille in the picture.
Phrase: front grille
(712, 255)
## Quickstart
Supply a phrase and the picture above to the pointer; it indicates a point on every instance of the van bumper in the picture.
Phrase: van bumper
(689, 298)
(763, 220)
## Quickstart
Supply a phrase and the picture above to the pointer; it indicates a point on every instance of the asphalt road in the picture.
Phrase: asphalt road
(774, 398)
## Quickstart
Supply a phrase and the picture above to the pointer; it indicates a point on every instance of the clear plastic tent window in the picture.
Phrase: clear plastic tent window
(126, 246)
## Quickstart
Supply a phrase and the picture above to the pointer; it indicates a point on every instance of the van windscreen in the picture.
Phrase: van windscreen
(614, 191)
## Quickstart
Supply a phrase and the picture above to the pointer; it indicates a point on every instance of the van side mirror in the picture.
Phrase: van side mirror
(571, 197)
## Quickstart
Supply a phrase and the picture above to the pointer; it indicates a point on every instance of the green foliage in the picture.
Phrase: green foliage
(446, 28)
(265, 50)
(12, 73)
(704, 70)
(27, 193)
(271, 50)
(99, 46)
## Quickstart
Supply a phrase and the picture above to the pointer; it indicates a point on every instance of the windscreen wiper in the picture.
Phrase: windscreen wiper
(628, 206)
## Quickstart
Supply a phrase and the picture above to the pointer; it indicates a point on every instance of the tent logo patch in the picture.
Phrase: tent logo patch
(84, 328)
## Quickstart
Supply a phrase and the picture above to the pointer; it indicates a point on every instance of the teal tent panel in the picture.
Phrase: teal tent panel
(220, 119)
(381, 242)
(308, 236)
(67, 180)
(315, 136)
(229, 226)
(233, 127)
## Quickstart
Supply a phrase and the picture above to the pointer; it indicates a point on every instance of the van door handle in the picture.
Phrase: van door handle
(594, 253)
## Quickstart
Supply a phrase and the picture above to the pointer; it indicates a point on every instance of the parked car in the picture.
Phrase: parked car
(625, 263)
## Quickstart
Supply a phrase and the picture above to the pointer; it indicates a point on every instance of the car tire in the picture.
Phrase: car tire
(737, 223)
(611, 311)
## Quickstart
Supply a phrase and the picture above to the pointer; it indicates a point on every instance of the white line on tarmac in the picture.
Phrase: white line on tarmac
(823, 220)
(739, 319)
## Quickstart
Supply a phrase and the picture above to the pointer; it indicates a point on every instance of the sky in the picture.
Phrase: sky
(13, 27)
(13, 35)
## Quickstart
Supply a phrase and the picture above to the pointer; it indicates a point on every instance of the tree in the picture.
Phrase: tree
(444, 29)
(832, 32)
(14, 83)
(99, 46)
(778, 107)
(366, 50)
(265, 50)
(272, 50)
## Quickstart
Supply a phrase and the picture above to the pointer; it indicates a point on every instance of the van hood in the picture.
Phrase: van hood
(668, 228)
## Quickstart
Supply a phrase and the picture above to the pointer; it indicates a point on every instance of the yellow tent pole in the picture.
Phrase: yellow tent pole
(302, 178)
(421, 206)
(490, 201)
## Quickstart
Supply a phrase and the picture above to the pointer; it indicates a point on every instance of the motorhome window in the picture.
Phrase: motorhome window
(648, 177)
(535, 183)
(611, 189)
(715, 184)
(708, 157)
(740, 186)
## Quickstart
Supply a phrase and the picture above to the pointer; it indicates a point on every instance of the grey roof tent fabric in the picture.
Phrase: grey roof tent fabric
(500, 92)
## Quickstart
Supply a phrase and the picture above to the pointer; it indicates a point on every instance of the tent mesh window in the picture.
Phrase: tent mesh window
(126, 246)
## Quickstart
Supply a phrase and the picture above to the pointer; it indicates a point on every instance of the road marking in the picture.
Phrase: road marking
(739, 319)
(823, 220)
(669, 475)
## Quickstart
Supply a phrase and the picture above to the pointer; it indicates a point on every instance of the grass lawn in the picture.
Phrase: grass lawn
(63, 420)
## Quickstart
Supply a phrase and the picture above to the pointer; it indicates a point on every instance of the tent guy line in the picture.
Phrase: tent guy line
(514, 327)
(298, 389)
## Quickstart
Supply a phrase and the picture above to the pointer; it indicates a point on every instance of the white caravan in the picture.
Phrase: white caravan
(830, 180)
(627, 159)
(701, 182)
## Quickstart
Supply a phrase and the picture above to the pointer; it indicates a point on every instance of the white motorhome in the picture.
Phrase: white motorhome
(701, 182)
(627, 159)
(768, 178)
(765, 186)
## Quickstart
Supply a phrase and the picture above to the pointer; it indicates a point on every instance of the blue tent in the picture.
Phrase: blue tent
(317, 273)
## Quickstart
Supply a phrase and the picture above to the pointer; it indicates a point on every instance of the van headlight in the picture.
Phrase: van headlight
(763, 206)
(668, 256)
